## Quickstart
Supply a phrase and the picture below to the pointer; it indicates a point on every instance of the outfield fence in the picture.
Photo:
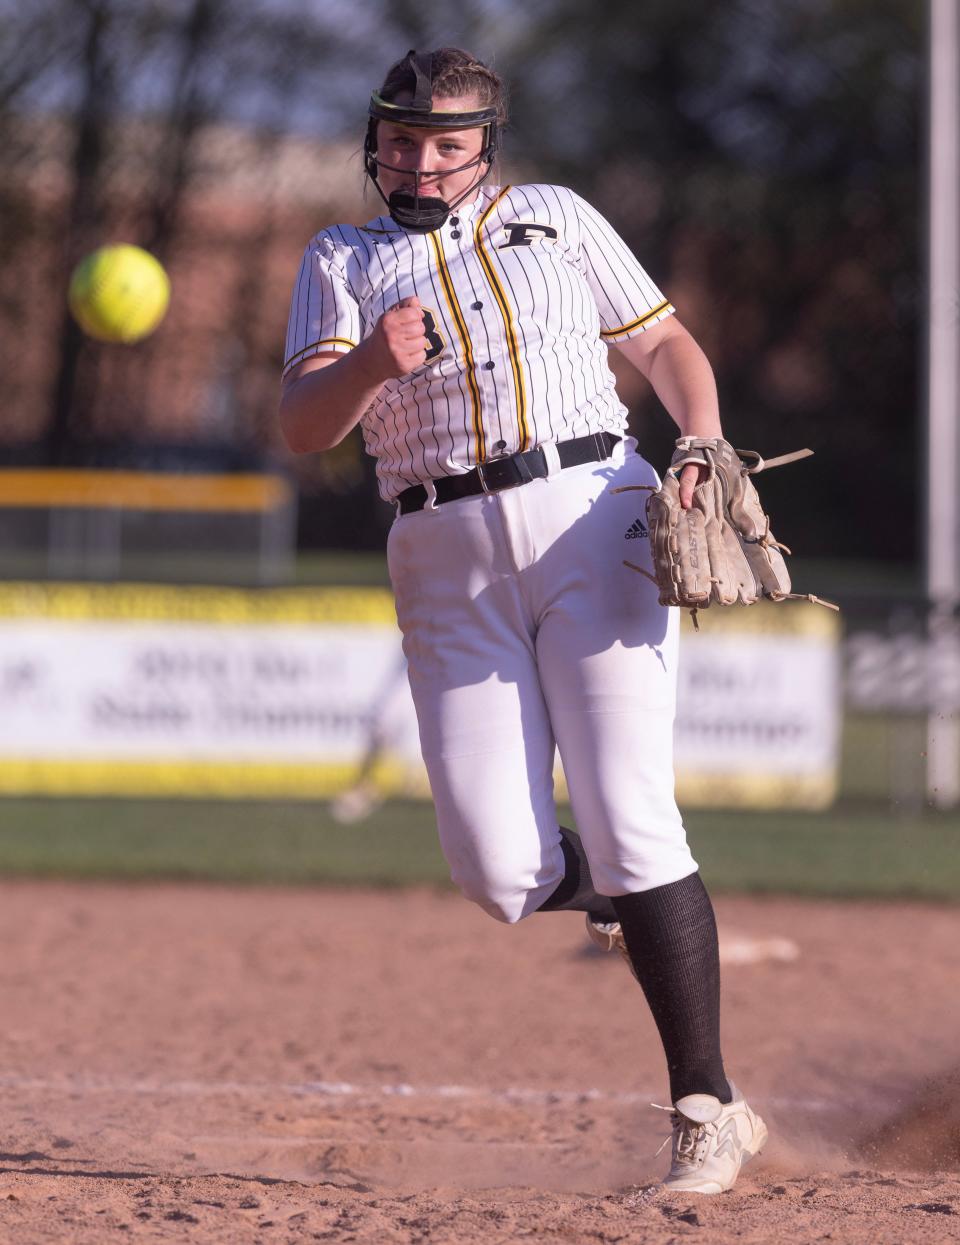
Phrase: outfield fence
(140, 689)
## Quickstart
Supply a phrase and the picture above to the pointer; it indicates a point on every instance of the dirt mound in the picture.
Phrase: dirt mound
(220, 1065)
(925, 1135)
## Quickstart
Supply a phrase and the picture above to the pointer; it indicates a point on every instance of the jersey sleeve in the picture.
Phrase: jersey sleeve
(324, 315)
(628, 300)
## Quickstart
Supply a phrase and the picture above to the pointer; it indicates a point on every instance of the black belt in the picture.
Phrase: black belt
(507, 472)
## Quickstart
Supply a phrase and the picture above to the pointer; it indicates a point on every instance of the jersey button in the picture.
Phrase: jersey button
(476, 306)
(454, 233)
(490, 365)
(454, 220)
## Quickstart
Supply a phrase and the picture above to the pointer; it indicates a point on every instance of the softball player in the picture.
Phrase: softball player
(467, 332)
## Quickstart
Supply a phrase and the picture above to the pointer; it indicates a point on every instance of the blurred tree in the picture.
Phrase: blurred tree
(122, 121)
(763, 160)
(95, 105)
(760, 157)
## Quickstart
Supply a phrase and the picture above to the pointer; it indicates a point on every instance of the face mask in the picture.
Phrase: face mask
(424, 213)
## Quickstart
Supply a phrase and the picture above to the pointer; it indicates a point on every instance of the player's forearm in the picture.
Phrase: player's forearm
(319, 408)
(683, 379)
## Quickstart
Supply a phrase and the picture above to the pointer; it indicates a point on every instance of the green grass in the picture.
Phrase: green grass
(855, 852)
(831, 578)
(359, 569)
(882, 757)
(218, 841)
(834, 579)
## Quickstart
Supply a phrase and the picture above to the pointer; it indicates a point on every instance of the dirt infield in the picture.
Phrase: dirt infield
(223, 1065)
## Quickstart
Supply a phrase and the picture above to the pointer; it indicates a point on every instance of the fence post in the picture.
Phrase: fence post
(943, 392)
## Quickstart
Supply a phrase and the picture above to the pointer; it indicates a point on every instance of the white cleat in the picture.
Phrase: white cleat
(711, 1142)
(609, 936)
(606, 934)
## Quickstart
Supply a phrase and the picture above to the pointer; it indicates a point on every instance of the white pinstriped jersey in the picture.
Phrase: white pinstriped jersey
(523, 289)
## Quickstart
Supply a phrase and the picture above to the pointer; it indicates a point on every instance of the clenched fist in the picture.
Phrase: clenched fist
(397, 344)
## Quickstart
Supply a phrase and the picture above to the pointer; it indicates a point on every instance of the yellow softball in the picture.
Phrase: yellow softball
(119, 293)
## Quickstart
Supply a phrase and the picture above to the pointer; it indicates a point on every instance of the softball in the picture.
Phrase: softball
(119, 293)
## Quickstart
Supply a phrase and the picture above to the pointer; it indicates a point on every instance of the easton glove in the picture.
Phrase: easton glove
(721, 551)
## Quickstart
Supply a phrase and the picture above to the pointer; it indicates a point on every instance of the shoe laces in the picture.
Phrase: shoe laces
(686, 1136)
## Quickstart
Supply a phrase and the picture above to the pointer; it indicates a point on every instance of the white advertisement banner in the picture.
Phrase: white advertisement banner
(758, 709)
(197, 692)
(203, 691)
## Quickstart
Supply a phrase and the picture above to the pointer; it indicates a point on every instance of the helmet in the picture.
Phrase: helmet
(424, 213)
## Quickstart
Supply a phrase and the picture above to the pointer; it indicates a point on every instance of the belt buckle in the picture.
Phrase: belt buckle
(517, 462)
(481, 472)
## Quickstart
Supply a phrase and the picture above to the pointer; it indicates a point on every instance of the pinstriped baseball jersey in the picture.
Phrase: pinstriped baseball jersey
(522, 291)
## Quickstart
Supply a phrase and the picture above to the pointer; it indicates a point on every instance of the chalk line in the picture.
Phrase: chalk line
(516, 1094)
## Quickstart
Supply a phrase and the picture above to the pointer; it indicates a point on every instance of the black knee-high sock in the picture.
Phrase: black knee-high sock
(671, 934)
(576, 892)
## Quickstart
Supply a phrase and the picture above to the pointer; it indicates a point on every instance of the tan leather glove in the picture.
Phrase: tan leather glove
(721, 551)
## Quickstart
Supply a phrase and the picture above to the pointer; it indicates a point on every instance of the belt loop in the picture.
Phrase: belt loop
(431, 502)
(599, 439)
(551, 456)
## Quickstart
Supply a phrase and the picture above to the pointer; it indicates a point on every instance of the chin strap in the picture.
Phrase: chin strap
(417, 213)
(425, 213)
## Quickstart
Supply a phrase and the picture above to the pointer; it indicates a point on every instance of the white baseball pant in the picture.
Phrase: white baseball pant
(524, 632)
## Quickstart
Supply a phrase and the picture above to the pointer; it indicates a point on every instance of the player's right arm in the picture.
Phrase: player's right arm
(325, 396)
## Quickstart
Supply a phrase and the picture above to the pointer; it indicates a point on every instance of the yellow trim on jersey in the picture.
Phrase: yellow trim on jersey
(513, 348)
(461, 326)
(640, 323)
(324, 341)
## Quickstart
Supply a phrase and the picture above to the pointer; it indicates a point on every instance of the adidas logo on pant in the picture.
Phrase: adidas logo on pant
(636, 531)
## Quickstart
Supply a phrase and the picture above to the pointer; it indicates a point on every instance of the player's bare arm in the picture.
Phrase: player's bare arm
(681, 375)
(323, 398)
